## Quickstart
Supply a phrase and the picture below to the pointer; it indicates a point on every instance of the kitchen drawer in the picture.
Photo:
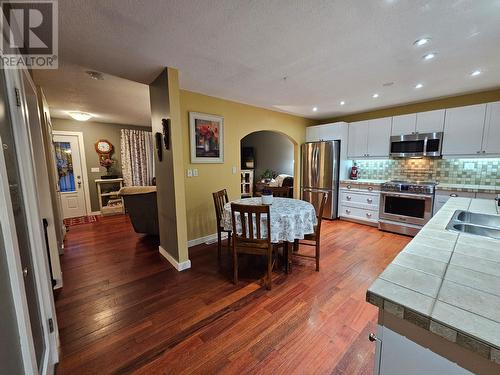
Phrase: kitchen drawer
(359, 214)
(442, 197)
(356, 198)
(360, 187)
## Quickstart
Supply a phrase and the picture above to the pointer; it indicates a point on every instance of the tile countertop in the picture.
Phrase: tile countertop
(362, 181)
(447, 283)
(469, 188)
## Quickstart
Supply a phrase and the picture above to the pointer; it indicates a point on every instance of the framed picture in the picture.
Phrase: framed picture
(206, 133)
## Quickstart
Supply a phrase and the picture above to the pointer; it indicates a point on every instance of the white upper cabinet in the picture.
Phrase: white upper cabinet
(327, 132)
(313, 133)
(403, 125)
(358, 140)
(430, 122)
(491, 137)
(369, 138)
(463, 130)
(379, 134)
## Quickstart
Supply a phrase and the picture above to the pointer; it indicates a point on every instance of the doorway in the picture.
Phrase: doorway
(72, 173)
(268, 157)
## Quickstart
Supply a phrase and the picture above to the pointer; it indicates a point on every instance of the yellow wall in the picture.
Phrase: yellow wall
(239, 120)
(450, 102)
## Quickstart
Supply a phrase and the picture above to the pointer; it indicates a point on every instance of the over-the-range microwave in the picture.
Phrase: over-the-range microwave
(416, 145)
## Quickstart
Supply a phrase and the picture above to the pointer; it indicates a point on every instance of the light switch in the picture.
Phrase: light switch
(95, 170)
(234, 170)
(195, 172)
(190, 173)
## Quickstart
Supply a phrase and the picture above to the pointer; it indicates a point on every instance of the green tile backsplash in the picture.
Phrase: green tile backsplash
(450, 171)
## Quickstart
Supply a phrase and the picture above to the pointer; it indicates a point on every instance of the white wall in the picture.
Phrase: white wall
(272, 151)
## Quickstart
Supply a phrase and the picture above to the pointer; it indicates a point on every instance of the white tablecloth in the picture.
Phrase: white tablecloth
(290, 218)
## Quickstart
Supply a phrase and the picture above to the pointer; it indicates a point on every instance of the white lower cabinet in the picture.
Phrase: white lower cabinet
(359, 203)
(396, 355)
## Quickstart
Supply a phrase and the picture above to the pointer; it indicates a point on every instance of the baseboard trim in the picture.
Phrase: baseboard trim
(178, 266)
(95, 213)
(211, 238)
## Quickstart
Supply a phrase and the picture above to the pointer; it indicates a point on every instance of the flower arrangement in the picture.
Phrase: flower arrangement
(266, 192)
(106, 163)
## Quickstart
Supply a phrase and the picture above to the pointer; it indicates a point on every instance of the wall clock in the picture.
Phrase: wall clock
(103, 147)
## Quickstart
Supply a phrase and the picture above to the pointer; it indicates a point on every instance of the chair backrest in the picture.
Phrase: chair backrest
(322, 204)
(250, 217)
(281, 192)
(220, 199)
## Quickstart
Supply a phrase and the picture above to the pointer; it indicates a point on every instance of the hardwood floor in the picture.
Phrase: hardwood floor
(124, 309)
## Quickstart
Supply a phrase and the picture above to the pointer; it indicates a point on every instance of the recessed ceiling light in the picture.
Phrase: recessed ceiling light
(475, 73)
(80, 116)
(429, 56)
(342, 102)
(421, 42)
(419, 86)
(375, 96)
(315, 109)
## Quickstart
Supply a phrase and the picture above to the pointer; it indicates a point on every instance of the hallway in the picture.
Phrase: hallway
(124, 309)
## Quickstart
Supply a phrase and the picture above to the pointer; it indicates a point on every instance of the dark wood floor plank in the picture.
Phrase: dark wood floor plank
(124, 309)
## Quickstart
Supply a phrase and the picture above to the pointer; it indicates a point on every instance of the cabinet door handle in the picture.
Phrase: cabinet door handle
(478, 152)
(370, 188)
(453, 195)
(373, 338)
(484, 151)
(348, 186)
(348, 197)
(348, 211)
(369, 200)
(368, 214)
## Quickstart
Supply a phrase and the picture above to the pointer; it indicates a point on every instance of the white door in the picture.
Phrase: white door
(463, 130)
(430, 121)
(403, 125)
(358, 138)
(379, 136)
(491, 139)
(71, 181)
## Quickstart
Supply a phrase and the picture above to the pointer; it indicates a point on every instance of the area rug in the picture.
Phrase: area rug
(81, 220)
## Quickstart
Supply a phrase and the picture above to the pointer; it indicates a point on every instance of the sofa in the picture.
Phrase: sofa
(142, 207)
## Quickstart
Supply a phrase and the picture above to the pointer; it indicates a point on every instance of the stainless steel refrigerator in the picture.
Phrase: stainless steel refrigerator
(320, 173)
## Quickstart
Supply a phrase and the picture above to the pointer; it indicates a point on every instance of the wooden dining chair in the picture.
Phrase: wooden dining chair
(251, 239)
(313, 239)
(220, 199)
(280, 191)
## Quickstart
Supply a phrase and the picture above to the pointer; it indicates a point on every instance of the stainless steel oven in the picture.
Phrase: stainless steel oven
(416, 145)
(405, 208)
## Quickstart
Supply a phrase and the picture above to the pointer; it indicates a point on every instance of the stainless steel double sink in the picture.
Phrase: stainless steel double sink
(473, 223)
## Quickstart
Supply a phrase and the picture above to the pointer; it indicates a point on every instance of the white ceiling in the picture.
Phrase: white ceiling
(242, 50)
(112, 100)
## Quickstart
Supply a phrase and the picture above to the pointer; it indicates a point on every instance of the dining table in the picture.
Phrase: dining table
(291, 219)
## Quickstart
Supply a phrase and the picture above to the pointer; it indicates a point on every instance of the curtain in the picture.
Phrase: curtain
(137, 157)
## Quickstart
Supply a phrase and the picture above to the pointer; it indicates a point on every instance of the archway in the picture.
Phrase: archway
(267, 157)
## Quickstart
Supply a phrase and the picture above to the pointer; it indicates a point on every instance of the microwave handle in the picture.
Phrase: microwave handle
(425, 146)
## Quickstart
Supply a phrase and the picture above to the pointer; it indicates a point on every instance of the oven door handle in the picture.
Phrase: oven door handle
(405, 195)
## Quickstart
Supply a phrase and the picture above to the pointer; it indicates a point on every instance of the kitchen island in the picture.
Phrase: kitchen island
(442, 293)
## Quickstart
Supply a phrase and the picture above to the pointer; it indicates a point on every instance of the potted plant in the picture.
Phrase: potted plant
(267, 196)
(268, 175)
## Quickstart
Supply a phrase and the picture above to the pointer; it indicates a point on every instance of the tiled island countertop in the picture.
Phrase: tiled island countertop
(469, 188)
(447, 283)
